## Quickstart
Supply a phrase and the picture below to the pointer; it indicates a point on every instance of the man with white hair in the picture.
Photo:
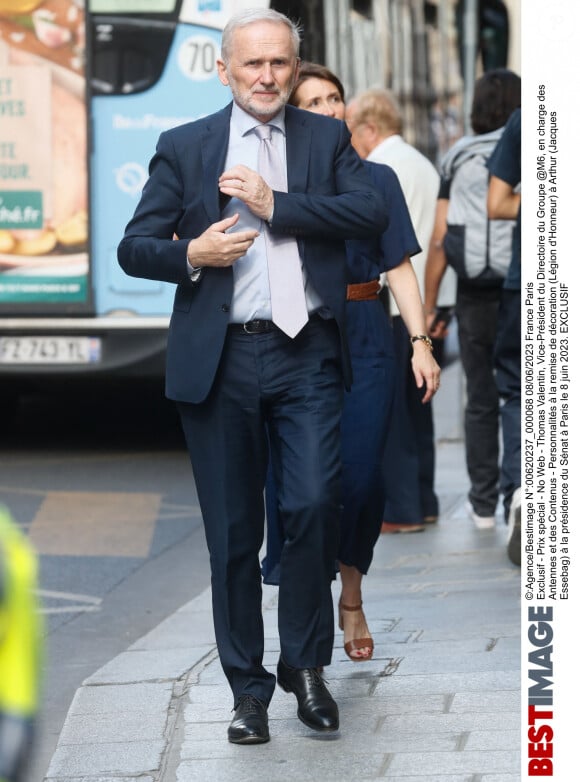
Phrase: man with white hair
(253, 377)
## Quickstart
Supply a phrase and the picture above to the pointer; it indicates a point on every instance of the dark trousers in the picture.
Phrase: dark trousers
(507, 358)
(288, 394)
(409, 457)
(365, 418)
(477, 312)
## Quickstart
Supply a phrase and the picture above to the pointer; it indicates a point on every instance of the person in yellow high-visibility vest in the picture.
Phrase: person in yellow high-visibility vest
(20, 648)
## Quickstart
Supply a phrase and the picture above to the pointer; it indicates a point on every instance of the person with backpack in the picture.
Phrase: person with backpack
(480, 250)
(504, 203)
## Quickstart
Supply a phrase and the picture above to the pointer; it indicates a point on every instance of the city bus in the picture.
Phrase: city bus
(86, 86)
(85, 91)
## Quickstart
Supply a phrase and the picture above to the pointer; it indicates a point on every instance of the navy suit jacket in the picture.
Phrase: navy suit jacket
(330, 198)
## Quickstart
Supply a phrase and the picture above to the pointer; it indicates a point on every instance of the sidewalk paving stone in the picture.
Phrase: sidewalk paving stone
(439, 702)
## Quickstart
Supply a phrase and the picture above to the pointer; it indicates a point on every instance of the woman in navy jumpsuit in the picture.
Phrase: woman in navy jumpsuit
(367, 405)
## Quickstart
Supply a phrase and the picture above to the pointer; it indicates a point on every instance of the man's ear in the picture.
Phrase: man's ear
(374, 131)
(296, 69)
(222, 72)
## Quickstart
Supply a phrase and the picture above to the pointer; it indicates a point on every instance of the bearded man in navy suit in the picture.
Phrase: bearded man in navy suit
(244, 387)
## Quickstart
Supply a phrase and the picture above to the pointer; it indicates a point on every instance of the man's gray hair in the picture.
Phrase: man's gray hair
(251, 15)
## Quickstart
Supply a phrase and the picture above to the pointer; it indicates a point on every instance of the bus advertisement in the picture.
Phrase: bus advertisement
(43, 156)
(86, 87)
(85, 91)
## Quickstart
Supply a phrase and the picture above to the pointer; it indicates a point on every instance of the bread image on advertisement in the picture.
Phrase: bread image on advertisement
(44, 135)
(18, 6)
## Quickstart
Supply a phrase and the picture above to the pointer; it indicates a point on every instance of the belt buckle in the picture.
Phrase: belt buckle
(252, 326)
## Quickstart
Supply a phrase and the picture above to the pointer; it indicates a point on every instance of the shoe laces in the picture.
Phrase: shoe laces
(314, 678)
(248, 704)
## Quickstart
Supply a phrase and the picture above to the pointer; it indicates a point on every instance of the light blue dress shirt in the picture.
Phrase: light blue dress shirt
(251, 297)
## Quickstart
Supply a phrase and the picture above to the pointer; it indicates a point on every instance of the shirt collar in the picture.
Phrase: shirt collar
(376, 154)
(389, 141)
(245, 123)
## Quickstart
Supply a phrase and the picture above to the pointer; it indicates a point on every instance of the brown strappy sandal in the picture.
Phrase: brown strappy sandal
(356, 643)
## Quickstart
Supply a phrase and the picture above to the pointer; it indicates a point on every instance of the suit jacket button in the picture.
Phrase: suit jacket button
(225, 307)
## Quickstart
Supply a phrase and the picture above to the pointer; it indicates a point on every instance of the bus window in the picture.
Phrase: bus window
(129, 55)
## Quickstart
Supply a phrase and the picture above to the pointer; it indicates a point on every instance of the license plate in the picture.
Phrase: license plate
(50, 350)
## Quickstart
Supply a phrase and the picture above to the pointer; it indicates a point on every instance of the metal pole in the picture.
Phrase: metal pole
(470, 24)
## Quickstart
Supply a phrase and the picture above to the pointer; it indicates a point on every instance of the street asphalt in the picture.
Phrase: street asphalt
(439, 701)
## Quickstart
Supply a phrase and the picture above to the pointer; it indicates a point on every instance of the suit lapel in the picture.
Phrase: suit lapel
(214, 147)
(298, 144)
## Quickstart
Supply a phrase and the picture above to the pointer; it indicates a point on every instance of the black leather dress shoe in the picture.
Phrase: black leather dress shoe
(250, 722)
(316, 706)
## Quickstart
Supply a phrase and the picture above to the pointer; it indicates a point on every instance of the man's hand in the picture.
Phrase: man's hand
(436, 328)
(243, 183)
(215, 247)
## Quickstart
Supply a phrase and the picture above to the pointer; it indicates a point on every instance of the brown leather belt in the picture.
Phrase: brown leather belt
(363, 291)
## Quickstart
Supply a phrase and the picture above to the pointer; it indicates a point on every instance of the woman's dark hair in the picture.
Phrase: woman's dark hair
(497, 93)
(311, 70)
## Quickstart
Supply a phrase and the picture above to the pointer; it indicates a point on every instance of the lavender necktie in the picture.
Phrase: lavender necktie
(289, 311)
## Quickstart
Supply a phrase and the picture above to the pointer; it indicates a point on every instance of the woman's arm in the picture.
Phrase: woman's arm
(435, 266)
(403, 284)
